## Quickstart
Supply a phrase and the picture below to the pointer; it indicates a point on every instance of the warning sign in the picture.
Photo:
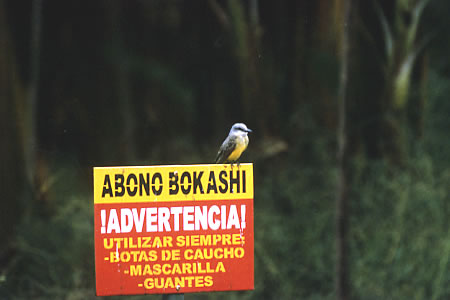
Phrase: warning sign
(173, 229)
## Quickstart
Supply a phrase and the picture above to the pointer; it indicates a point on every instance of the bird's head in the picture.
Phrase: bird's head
(240, 128)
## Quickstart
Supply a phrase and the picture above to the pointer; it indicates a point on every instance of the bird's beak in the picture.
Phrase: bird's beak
(249, 130)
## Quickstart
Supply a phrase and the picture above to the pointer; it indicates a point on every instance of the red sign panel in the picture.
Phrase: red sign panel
(173, 229)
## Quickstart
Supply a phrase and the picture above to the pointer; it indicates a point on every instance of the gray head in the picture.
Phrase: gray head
(239, 128)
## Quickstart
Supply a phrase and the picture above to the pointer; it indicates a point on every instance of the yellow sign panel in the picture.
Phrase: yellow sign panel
(173, 183)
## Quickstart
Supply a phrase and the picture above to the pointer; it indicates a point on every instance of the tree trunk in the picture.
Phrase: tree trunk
(124, 104)
(342, 212)
(246, 32)
(12, 127)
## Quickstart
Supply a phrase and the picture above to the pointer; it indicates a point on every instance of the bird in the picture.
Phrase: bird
(233, 146)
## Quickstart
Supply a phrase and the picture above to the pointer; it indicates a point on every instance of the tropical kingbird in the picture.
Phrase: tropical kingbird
(233, 146)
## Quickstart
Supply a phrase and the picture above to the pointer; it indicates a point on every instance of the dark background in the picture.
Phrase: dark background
(357, 211)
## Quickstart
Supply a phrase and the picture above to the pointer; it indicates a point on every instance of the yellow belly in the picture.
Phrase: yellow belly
(241, 145)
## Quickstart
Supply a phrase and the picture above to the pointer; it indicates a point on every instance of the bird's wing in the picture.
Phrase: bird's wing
(226, 149)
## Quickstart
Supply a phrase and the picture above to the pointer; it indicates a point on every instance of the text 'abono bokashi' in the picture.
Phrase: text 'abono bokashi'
(196, 182)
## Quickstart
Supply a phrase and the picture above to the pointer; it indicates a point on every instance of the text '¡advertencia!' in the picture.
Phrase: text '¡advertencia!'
(176, 218)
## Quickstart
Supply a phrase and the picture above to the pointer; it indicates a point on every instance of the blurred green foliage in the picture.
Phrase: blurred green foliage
(167, 71)
(400, 241)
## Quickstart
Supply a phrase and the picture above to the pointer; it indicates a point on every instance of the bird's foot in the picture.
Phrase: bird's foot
(238, 164)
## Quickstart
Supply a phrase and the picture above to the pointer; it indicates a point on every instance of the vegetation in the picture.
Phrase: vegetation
(161, 82)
